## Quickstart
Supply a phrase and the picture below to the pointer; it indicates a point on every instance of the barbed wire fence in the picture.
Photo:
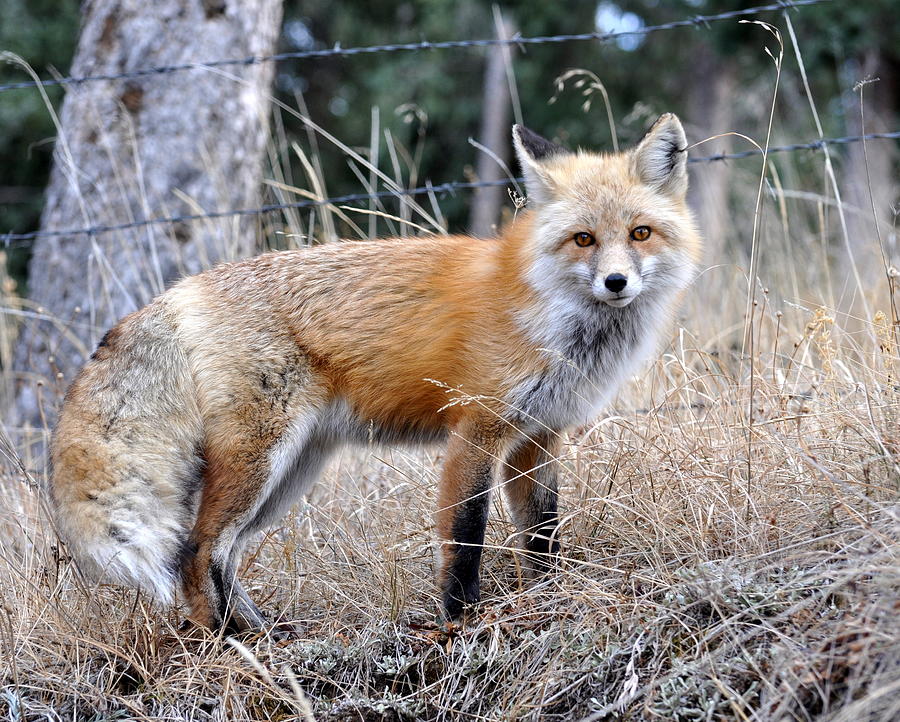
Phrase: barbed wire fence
(337, 50)
(441, 189)
(12, 240)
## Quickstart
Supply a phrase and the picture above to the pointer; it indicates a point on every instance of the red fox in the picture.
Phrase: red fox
(201, 418)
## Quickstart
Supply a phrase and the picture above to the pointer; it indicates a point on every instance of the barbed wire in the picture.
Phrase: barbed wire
(811, 145)
(695, 21)
(12, 240)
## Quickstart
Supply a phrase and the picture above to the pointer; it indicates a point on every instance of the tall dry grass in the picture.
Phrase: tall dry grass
(730, 526)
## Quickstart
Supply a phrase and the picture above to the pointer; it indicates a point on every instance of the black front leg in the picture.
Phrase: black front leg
(462, 514)
(462, 578)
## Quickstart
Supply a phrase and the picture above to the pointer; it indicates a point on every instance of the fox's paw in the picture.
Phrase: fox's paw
(459, 596)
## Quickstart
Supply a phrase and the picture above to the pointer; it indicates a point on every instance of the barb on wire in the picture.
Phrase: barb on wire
(695, 21)
(19, 239)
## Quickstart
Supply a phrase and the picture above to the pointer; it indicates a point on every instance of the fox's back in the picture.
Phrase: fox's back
(383, 324)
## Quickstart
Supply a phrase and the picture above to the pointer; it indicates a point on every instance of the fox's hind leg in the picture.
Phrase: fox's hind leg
(530, 485)
(231, 490)
(247, 486)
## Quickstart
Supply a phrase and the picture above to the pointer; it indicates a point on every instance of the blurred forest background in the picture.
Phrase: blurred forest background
(716, 78)
(199, 141)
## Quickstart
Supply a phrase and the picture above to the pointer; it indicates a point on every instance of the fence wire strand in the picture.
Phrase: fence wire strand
(337, 51)
(22, 239)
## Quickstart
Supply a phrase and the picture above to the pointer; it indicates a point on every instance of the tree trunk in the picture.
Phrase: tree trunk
(128, 150)
(868, 176)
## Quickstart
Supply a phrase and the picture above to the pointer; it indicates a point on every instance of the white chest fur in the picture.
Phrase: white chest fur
(591, 349)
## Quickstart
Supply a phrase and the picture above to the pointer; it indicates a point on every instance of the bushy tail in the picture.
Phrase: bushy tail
(131, 550)
(126, 459)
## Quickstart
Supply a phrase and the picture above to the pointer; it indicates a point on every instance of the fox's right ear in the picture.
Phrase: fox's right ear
(531, 149)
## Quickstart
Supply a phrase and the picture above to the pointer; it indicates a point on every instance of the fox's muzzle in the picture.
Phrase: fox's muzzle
(617, 288)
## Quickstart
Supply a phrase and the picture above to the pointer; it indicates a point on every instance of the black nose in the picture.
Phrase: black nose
(615, 282)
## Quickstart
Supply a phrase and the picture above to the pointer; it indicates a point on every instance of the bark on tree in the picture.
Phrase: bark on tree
(154, 146)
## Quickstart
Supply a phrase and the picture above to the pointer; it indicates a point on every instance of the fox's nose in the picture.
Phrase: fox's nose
(615, 282)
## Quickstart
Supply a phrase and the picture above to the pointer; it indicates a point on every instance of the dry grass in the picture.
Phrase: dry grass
(730, 537)
(711, 570)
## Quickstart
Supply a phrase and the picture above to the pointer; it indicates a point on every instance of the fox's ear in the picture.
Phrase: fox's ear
(660, 159)
(531, 150)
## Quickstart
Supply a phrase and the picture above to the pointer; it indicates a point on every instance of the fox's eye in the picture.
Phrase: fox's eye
(641, 233)
(583, 239)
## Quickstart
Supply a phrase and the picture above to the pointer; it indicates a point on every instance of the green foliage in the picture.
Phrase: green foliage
(666, 71)
(43, 33)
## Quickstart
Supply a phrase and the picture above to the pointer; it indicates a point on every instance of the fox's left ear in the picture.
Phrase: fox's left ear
(660, 159)
(531, 150)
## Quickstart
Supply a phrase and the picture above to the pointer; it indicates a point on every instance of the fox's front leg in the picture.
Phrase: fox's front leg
(530, 485)
(473, 456)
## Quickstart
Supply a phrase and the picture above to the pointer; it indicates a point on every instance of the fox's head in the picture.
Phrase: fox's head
(610, 226)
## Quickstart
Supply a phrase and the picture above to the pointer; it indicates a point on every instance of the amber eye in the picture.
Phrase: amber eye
(583, 239)
(641, 233)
